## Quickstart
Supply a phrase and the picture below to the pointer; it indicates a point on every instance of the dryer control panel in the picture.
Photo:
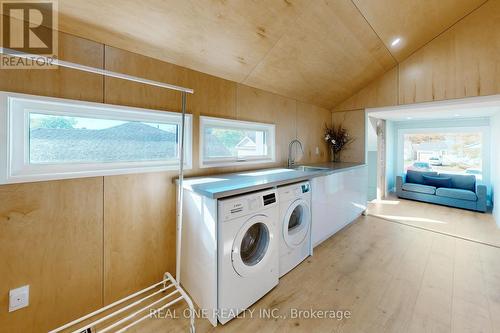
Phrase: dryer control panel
(294, 191)
(246, 204)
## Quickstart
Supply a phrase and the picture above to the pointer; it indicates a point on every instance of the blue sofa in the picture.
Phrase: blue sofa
(444, 189)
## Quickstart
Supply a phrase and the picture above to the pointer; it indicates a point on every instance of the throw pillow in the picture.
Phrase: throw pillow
(416, 177)
(437, 181)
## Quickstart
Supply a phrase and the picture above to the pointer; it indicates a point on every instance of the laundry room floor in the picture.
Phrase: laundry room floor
(390, 278)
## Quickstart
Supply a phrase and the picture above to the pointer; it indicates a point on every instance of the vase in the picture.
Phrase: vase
(335, 156)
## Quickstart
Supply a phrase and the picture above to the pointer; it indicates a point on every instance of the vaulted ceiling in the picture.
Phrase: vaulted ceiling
(318, 51)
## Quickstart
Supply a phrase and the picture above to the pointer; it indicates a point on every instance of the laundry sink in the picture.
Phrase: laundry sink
(309, 168)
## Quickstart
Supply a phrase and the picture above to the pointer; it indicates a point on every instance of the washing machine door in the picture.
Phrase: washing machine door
(252, 246)
(296, 224)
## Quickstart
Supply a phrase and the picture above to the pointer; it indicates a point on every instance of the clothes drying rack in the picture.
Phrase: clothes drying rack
(148, 302)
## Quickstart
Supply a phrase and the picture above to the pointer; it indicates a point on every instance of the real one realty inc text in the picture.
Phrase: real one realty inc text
(274, 313)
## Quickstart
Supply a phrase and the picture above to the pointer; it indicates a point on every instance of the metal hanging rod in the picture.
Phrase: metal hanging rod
(89, 69)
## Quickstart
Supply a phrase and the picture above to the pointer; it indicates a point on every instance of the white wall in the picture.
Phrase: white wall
(495, 165)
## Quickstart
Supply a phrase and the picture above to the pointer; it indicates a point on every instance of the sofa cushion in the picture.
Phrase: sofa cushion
(416, 177)
(437, 181)
(455, 193)
(463, 182)
(419, 188)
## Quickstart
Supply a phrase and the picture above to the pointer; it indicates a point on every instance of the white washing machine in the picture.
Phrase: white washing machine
(295, 225)
(248, 246)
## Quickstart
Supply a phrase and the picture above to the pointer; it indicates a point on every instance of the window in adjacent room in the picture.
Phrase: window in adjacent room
(445, 152)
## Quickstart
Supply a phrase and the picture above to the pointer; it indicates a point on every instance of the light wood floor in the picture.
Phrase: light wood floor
(476, 226)
(391, 277)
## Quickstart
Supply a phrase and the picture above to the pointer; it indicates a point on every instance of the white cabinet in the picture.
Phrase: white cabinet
(337, 200)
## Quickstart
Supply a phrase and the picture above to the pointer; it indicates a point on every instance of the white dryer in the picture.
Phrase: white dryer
(295, 225)
(248, 245)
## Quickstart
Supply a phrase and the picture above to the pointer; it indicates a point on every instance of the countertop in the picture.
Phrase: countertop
(225, 185)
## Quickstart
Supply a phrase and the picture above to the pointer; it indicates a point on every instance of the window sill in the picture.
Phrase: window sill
(205, 165)
(29, 178)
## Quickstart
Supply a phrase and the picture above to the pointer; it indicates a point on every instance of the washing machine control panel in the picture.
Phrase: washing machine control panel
(269, 199)
(246, 204)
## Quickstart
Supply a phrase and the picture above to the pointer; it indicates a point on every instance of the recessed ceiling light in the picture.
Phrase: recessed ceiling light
(409, 118)
(456, 115)
(395, 41)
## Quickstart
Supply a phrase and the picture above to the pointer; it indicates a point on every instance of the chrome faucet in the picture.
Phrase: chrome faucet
(291, 159)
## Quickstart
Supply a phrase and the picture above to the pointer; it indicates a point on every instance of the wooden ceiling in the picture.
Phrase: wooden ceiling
(316, 51)
(415, 22)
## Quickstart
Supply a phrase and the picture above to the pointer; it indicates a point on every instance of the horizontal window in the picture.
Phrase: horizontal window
(226, 142)
(61, 139)
(52, 138)
(445, 152)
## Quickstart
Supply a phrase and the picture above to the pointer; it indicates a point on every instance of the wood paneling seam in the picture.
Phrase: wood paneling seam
(398, 79)
(375, 32)
(445, 30)
(296, 118)
(274, 45)
(103, 77)
(366, 86)
(163, 61)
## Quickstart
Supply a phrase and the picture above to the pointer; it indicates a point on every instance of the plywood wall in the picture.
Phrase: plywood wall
(381, 92)
(462, 62)
(354, 122)
(51, 237)
(51, 233)
(84, 243)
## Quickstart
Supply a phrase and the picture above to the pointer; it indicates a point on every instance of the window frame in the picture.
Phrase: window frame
(15, 166)
(485, 144)
(236, 124)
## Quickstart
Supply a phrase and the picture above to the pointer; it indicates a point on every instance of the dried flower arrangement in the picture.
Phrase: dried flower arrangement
(337, 139)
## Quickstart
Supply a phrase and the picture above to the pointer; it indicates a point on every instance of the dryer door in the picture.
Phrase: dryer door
(252, 246)
(296, 224)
